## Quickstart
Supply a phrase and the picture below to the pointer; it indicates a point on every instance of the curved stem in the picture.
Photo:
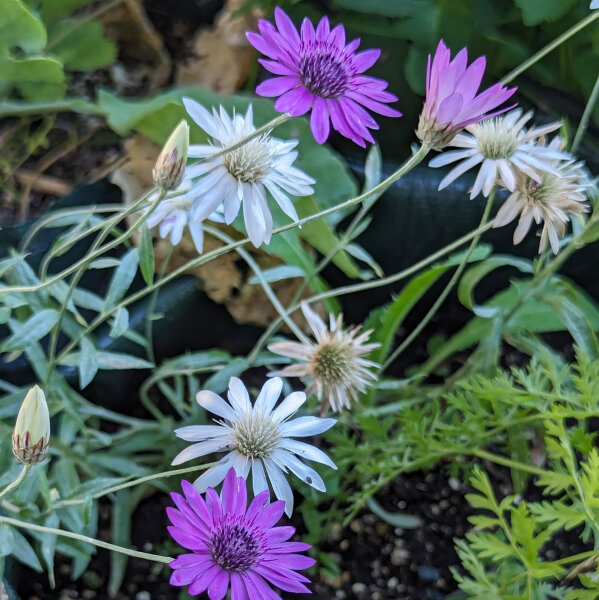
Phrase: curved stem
(586, 117)
(17, 482)
(551, 46)
(443, 296)
(86, 539)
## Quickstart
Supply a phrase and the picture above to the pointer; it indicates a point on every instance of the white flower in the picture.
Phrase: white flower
(334, 364)
(173, 214)
(503, 148)
(245, 174)
(258, 438)
(552, 200)
(31, 434)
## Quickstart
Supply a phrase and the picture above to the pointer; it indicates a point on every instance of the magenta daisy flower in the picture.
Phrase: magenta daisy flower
(317, 70)
(234, 546)
(451, 101)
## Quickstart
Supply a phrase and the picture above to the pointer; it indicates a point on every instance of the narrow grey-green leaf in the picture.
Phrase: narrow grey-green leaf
(279, 273)
(88, 364)
(120, 323)
(31, 330)
(121, 279)
(109, 361)
(146, 254)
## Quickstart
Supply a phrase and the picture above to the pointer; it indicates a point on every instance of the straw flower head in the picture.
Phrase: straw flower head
(560, 194)
(334, 364)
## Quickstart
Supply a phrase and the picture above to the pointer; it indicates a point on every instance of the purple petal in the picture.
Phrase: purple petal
(323, 29)
(271, 514)
(229, 491)
(285, 583)
(256, 506)
(186, 576)
(261, 45)
(219, 586)
(201, 583)
(341, 125)
(337, 36)
(319, 120)
(449, 108)
(373, 105)
(214, 504)
(290, 548)
(276, 67)
(352, 46)
(287, 28)
(258, 588)
(307, 31)
(291, 561)
(277, 85)
(238, 589)
(187, 561)
(185, 538)
(196, 503)
(277, 535)
(296, 102)
(468, 84)
(365, 59)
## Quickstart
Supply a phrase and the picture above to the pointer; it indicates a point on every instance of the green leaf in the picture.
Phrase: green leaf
(84, 47)
(7, 540)
(219, 382)
(121, 535)
(278, 274)
(31, 330)
(35, 70)
(24, 553)
(535, 12)
(373, 173)
(121, 279)
(146, 254)
(109, 361)
(19, 27)
(104, 263)
(88, 363)
(120, 323)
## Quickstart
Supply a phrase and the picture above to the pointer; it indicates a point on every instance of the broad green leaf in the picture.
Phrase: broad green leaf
(35, 70)
(31, 330)
(19, 27)
(121, 279)
(52, 10)
(88, 364)
(109, 361)
(535, 12)
(146, 254)
(84, 47)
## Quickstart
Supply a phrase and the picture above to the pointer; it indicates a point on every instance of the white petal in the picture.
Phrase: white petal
(213, 476)
(451, 156)
(289, 406)
(460, 170)
(201, 116)
(307, 451)
(201, 150)
(489, 173)
(198, 433)
(292, 349)
(306, 426)
(304, 472)
(259, 482)
(200, 449)
(253, 217)
(507, 175)
(268, 396)
(215, 404)
(197, 235)
(280, 485)
(239, 397)
(316, 324)
(281, 199)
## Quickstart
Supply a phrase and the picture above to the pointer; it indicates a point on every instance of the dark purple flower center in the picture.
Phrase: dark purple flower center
(324, 69)
(235, 546)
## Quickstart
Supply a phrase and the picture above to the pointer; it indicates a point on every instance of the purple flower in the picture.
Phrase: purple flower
(451, 101)
(317, 70)
(234, 545)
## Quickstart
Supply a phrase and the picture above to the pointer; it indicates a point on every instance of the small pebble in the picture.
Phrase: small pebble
(358, 588)
(143, 596)
(392, 583)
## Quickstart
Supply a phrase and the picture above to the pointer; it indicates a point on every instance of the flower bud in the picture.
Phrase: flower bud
(32, 430)
(170, 165)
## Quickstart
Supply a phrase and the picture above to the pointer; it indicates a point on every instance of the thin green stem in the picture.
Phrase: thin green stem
(512, 464)
(14, 108)
(551, 46)
(17, 482)
(265, 286)
(86, 539)
(128, 484)
(443, 296)
(586, 117)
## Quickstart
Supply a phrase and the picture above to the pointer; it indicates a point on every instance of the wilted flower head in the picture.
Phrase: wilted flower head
(560, 194)
(503, 148)
(258, 439)
(317, 70)
(243, 175)
(234, 546)
(451, 101)
(32, 430)
(170, 165)
(334, 363)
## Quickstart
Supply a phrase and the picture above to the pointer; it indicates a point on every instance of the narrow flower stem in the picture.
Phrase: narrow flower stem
(13, 108)
(86, 539)
(512, 464)
(265, 286)
(17, 482)
(368, 285)
(204, 258)
(442, 297)
(551, 46)
(128, 484)
(586, 116)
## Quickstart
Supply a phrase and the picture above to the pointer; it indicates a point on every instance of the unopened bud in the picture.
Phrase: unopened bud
(32, 430)
(170, 166)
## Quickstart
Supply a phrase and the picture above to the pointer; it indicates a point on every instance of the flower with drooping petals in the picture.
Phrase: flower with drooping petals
(553, 200)
(234, 545)
(451, 101)
(503, 148)
(334, 364)
(243, 175)
(258, 439)
(316, 70)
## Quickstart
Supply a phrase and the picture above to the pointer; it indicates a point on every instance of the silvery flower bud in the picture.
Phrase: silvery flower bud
(170, 165)
(32, 430)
